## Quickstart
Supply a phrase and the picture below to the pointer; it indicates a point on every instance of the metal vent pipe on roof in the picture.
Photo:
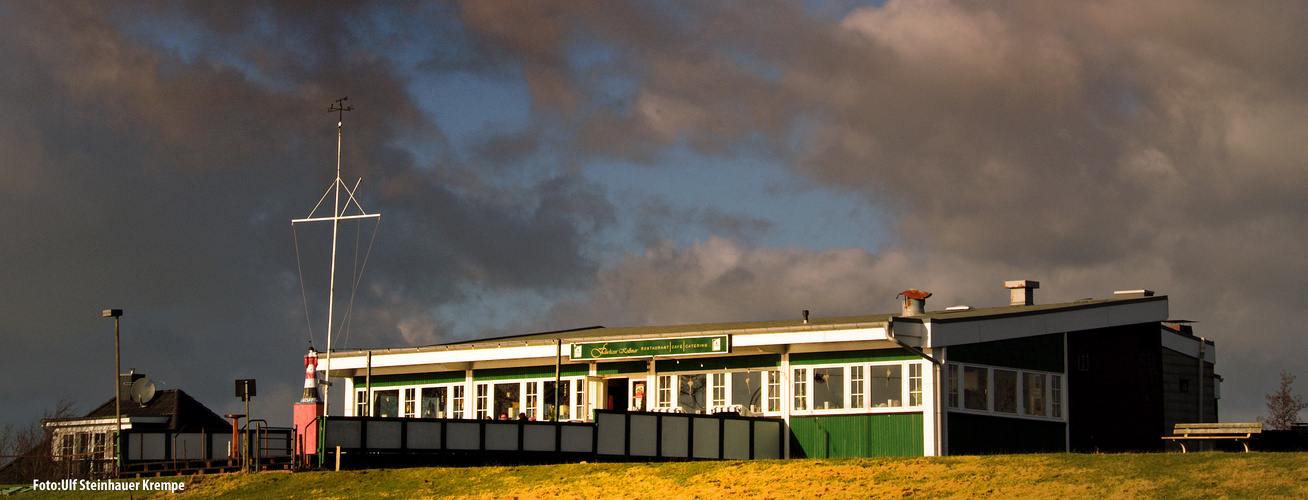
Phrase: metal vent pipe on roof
(914, 301)
(1021, 292)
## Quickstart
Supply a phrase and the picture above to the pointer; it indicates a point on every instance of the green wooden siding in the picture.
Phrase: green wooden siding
(1044, 353)
(622, 367)
(546, 371)
(714, 364)
(863, 356)
(987, 435)
(410, 379)
(868, 435)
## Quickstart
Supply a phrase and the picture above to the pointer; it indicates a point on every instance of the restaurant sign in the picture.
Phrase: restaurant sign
(720, 344)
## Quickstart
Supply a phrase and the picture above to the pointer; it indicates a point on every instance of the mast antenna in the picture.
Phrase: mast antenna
(338, 214)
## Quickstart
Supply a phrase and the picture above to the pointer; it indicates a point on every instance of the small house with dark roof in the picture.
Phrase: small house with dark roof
(88, 439)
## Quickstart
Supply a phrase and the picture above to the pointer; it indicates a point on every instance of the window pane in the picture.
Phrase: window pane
(507, 404)
(915, 384)
(457, 401)
(774, 390)
(665, 391)
(885, 386)
(953, 386)
(361, 404)
(856, 387)
(410, 403)
(1006, 391)
(801, 388)
(828, 388)
(533, 399)
(579, 400)
(1033, 392)
(1056, 396)
(690, 392)
(976, 388)
(386, 403)
(564, 401)
(747, 390)
(433, 402)
(719, 389)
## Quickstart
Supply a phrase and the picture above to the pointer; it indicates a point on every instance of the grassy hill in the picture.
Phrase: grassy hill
(1181, 476)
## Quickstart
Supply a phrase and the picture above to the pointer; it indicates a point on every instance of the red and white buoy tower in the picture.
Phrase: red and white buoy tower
(310, 406)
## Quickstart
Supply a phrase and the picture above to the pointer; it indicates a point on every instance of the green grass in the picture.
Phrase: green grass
(1180, 476)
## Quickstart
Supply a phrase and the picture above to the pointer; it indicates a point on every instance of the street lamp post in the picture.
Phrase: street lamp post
(118, 410)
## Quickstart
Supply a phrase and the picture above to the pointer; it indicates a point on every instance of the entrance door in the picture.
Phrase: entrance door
(617, 394)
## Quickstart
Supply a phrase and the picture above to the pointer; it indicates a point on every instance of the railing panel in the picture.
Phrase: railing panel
(424, 436)
(538, 437)
(767, 440)
(644, 435)
(384, 434)
(578, 439)
(612, 433)
(735, 439)
(463, 436)
(343, 433)
(676, 435)
(501, 436)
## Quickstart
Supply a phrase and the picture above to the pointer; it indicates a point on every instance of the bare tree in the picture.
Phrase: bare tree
(1282, 406)
(30, 447)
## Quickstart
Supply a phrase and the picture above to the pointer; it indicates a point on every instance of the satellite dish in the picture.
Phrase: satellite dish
(142, 390)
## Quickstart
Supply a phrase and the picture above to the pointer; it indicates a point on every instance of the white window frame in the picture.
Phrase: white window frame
(1054, 397)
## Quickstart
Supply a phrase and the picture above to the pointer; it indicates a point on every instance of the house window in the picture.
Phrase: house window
(665, 391)
(719, 389)
(1056, 396)
(579, 399)
(690, 392)
(433, 402)
(976, 384)
(386, 404)
(507, 403)
(915, 384)
(457, 401)
(533, 399)
(1005, 391)
(774, 390)
(953, 386)
(885, 386)
(410, 403)
(97, 445)
(1033, 393)
(747, 390)
(1185, 386)
(1083, 362)
(66, 445)
(856, 386)
(828, 388)
(801, 389)
(483, 397)
(361, 404)
(563, 394)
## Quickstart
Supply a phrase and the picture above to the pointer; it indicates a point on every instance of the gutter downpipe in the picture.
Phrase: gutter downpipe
(938, 370)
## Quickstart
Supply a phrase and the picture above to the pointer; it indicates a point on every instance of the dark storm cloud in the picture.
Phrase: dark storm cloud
(162, 181)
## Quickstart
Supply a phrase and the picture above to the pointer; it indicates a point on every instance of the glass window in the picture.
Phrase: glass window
(579, 399)
(747, 390)
(665, 391)
(386, 404)
(953, 386)
(1005, 391)
(915, 384)
(719, 389)
(638, 399)
(507, 401)
(533, 399)
(976, 388)
(801, 389)
(829, 388)
(1033, 393)
(457, 406)
(361, 403)
(563, 399)
(433, 402)
(690, 392)
(856, 386)
(410, 403)
(1056, 396)
(483, 397)
(774, 390)
(885, 386)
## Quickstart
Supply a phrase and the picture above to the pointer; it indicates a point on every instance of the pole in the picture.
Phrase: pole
(118, 410)
(558, 363)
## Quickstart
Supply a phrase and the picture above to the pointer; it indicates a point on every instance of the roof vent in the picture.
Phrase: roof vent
(914, 301)
(958, 308)
(1021, 292)
(1132, 294)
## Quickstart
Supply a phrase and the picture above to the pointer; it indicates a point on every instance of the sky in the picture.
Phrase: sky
(553, 164)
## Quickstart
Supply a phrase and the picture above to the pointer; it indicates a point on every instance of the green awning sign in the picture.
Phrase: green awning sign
(720, 344)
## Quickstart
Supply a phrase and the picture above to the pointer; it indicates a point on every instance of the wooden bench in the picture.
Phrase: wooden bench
(1236, 432)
